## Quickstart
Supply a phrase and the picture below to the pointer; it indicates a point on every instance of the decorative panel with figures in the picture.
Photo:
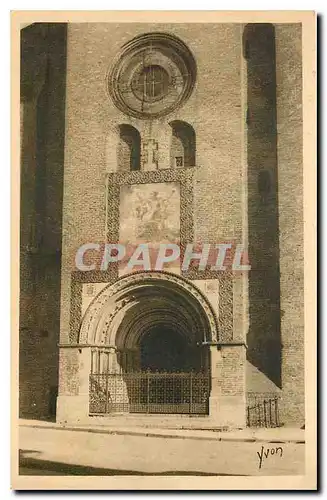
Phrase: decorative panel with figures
(150, 213)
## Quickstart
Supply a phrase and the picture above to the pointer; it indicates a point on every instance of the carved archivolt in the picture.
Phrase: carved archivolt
(122, 312)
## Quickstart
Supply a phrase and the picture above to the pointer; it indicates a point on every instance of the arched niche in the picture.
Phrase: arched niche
(129, 148)
(183, 144)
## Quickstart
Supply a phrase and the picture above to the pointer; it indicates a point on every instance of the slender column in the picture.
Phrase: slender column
(84, 371)
(113, 363)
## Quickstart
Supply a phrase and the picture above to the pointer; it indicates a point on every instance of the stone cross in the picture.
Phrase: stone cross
(149, 155)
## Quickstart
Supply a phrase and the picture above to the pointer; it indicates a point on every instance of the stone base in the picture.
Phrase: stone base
(225, 412)
(72, 409)
(228, 411)
(232, 411)
(214, 413)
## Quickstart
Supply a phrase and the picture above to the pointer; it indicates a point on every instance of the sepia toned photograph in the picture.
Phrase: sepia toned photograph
(163, 217)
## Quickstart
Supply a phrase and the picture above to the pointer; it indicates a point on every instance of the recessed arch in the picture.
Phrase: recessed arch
(129, 148)
(121, 313)
(183, 144)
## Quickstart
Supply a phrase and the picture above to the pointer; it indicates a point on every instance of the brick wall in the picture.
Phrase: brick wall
(290, 167)
(214, 110)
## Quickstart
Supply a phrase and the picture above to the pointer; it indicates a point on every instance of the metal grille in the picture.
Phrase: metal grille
(263, 411)
(148, 392)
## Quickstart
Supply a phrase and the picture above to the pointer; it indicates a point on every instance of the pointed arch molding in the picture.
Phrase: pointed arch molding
(101, 321)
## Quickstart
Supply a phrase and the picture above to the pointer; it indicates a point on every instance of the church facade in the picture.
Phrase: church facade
(137, 140)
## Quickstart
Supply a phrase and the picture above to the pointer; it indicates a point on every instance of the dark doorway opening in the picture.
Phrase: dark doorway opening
(164, 350)
(172, 382)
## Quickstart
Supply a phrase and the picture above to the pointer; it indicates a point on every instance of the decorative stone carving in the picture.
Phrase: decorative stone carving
(149, 155)
(136, 281)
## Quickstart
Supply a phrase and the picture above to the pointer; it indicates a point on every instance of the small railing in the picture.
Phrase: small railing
(262, 410)
(149, 392)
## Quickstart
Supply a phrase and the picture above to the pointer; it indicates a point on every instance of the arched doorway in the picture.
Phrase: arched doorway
(151, 333)
(169, 363)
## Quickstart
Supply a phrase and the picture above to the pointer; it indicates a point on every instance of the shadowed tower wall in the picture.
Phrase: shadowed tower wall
(43, 74)
(264, 346)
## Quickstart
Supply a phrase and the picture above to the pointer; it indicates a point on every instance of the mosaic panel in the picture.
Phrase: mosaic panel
(150, 213)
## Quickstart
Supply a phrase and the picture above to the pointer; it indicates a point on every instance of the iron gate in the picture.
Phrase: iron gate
(149, 392)
(263, 411)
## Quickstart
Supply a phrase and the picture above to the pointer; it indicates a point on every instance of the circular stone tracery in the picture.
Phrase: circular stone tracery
(152, 75)
(151, 83)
